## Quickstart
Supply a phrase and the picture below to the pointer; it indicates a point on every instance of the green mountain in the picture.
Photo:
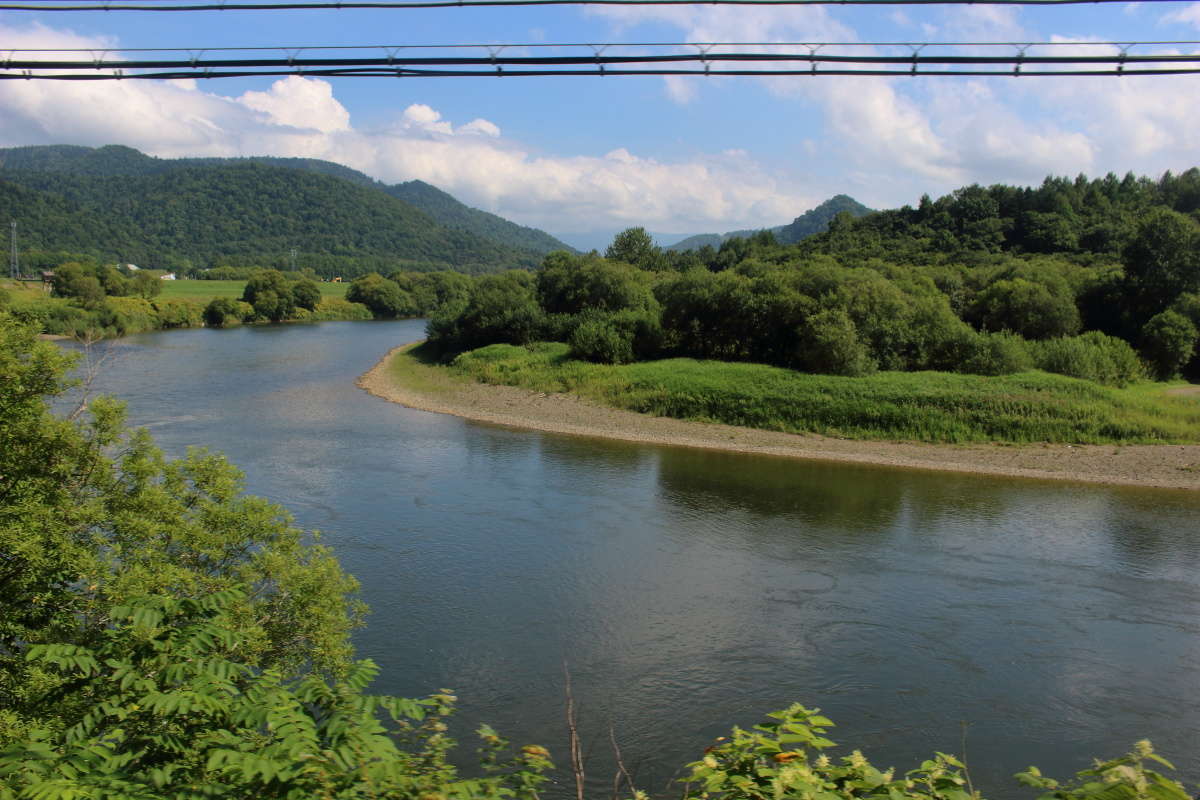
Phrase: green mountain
(244, 214)
(807, 224)
(474, 240)
(453, 214)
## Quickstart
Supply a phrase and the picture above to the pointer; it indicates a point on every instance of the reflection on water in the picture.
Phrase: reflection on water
(692, 590)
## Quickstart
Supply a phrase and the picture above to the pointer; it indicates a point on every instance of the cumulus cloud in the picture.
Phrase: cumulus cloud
(300, 103)
(898, 137)
(301, 117)
(1189, 15)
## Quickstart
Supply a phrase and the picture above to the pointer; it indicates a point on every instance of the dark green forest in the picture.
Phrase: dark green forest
(118, 205)
(1096, 279)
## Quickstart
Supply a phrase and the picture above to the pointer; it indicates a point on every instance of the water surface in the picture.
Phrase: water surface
(690, 590)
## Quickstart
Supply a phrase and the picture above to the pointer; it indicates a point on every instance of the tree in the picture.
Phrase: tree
(569, 284)
(1168, 342)
(1162, 261)
(306, 294)
(831, 345)
(384, 297)
(271, 295)
(76, 281)
(635, 246)
(146, 286)
(93, 515)
(1027, 308)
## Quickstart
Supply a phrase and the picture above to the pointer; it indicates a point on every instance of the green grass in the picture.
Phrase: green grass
(920, 406)
(417, 369)
(207, 290)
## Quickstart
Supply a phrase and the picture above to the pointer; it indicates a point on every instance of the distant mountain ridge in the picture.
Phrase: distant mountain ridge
(122, 161)
(807, 224)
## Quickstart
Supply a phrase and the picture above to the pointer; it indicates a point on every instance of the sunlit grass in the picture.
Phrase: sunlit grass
(921, 406)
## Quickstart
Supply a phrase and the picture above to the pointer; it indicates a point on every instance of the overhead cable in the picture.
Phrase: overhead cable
(109, 5)
(1057, 59)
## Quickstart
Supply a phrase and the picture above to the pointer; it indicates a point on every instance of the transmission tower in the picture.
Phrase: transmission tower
(14, 266)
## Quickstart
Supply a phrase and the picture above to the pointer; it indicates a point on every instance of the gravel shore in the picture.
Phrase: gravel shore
(410, 383)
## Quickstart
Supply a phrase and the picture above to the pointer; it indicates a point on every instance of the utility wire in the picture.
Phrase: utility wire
(975, 59)
(510, 60)
(108, 5)
(499, 73)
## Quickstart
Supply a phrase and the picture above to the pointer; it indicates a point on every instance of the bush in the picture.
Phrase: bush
(997, 354)
(830, 344)
(338, 308)
(1168, 342)
(384, 297)
(306, 294)
(225, 312)
(1092, 356)
(173, 313)
(600, 339)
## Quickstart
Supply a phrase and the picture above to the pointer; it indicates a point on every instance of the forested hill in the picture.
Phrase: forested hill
(442, 208)
(450, 212)
(1063, 216)
(809, 223)
(245, 214)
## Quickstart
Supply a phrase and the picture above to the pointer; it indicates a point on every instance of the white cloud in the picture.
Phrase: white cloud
(897, 138)
(301, 117)
(1190, 15)
(482, 127)
(300, 103)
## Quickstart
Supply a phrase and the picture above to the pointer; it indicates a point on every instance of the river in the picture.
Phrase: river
(688, 591)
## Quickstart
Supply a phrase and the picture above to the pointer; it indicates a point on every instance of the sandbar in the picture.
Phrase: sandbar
(428, 388)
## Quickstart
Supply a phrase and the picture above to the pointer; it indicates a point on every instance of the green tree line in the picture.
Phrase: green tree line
(959, 284)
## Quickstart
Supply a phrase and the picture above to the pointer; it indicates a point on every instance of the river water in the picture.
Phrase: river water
(688, 591)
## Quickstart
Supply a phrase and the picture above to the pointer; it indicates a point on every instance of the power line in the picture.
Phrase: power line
(614, 73)
(14, 265)
(107, 5)
(1052, 59)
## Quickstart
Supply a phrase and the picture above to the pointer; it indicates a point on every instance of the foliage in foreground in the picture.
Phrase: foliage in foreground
(924, 406)
(93, 515)
(176, 712)
(784, 758)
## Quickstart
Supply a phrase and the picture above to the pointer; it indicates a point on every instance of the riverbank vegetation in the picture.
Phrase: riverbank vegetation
(163, 635)
(1096, 280)
(87, 300)
(920, 406)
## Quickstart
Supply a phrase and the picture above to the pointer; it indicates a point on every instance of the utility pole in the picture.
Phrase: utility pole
(14, 266)
(293, 259)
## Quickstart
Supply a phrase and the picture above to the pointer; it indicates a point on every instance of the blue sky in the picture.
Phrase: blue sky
(584, 157)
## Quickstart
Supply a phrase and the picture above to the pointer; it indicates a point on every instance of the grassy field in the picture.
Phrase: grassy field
(207, 290)
(917, 406)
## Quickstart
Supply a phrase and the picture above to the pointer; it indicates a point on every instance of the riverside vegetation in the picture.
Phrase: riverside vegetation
(163, 635)
(990, 314)
(91, 301)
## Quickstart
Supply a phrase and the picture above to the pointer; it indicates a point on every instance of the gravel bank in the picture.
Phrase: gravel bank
(408, 382)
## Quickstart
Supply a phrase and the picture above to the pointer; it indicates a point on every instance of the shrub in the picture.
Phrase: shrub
(1092, 356)
(602, 340)
(997, 354)
(306, 294)
(174, 313)
(1168, 341)
(225, 312)
(830, 344)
